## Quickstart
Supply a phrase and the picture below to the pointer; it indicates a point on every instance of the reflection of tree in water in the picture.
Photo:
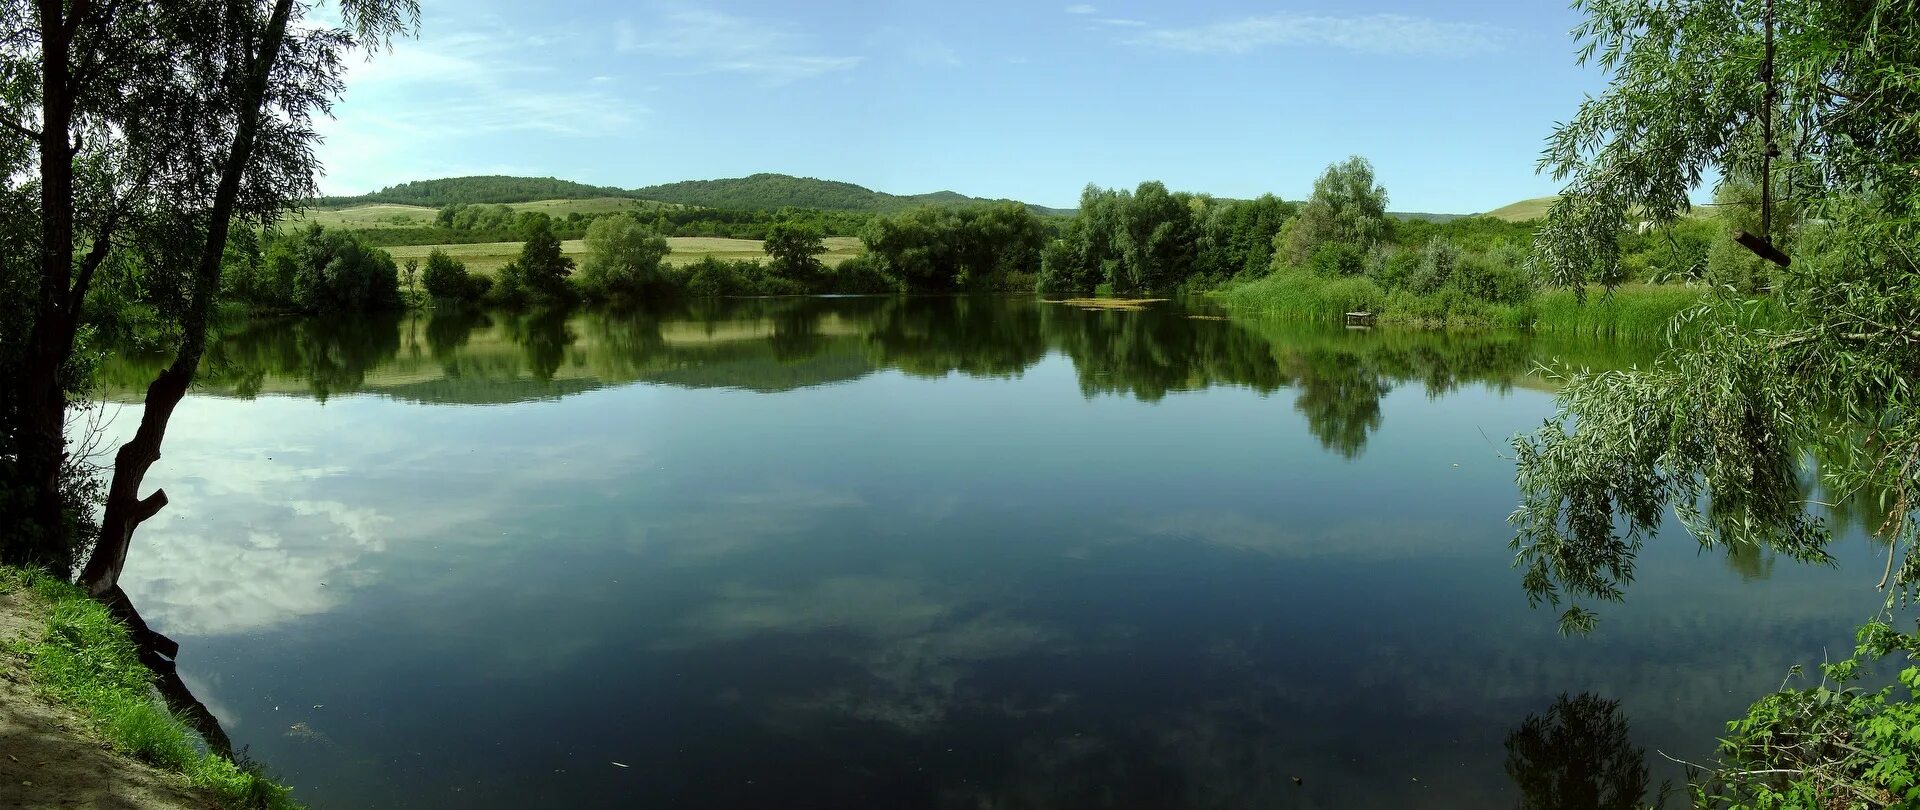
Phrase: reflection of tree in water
(1578, 756)
(932, 337)
(544, 336)
(778, 344)
(796, 334)
(1149, 354)
(448, 330)
(1340, 397)
(331, 355)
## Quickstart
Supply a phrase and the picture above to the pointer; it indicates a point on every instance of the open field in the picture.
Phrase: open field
(485, 258)
(1536, 208)
(1523, 210)
(389, 215)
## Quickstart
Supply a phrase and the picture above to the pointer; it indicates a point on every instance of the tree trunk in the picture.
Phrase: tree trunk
(125, 509)
(43, 400)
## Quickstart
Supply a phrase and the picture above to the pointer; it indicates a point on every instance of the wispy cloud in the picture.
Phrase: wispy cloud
(716, 42)
(1081, 8)
(1122, 22)
(414, 104)
(1374, 33)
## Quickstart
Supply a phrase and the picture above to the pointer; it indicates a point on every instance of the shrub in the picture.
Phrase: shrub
(315, 270)
(861, 274)
(1335, 259)
(446, 277)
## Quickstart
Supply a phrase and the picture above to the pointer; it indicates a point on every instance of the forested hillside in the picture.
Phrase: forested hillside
(481, 189)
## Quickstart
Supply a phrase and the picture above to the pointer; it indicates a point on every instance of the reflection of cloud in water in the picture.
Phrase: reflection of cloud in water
(727, 525)
(915, 646)
(249, 535)
(253, 561)
(1358, 537)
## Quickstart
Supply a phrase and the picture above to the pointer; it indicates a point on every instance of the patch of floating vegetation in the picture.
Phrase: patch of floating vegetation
(1119, 304)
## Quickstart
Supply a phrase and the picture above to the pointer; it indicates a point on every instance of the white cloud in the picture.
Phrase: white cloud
(715, 42)
(406, 109)
(1081, 8)
(1121, 22)
(1375, 33)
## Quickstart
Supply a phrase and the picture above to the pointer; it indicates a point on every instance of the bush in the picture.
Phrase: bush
(315, 270)
(446, 277)
(1488, 278)
(713, 278)
(1335, 259)
(623, 258)
(1434, 267)
(860, 274)
(1391, 267)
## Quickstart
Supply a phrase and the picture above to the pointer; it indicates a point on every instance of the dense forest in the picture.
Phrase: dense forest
(478, 189)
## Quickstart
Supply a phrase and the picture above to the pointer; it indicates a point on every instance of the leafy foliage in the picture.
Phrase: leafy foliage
(316, 270)
(1346, 208)
(623, 258)
(794, 250)
(539, 275)
(949, 249)
(446, 277)
(1835, 744)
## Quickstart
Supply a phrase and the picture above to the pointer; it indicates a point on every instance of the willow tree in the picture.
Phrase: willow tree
(1737, 431)
(145, 132)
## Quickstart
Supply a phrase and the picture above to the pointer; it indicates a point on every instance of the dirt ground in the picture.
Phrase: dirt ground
(47, 759)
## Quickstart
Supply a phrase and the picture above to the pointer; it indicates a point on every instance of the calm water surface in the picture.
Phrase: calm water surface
(915, 553)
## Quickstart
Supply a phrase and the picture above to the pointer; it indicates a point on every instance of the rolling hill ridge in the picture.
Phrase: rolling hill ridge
(759, 192)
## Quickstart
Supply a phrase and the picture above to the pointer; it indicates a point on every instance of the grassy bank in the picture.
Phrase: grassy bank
(1637, 310)
(87, 661)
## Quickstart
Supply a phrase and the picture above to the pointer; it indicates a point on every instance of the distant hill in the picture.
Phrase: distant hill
(1536, 208)
(480, 189)
(760, 192)
(1427, 217)
(770, 191)
(1523, 210)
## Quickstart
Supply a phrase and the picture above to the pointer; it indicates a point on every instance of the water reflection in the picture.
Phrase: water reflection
(1579, 755)
(464, 356)
(907, 553)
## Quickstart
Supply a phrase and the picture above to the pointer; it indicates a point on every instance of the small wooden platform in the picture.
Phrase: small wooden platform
(1360, 320)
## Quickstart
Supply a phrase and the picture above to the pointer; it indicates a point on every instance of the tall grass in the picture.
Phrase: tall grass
(1305, 296)
(88, 661)
(1635, 310)
(1639, 311)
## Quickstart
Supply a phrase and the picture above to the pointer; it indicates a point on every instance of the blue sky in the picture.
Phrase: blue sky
(994, 98)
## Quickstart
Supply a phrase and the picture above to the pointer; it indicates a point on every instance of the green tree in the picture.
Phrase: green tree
(1347, 208)
(539, 274)
(446, 277)
(793, 251)
(623, 257)
(1727, 427)
(146, 130)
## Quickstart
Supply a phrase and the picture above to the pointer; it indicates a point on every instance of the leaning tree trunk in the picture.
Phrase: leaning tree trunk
(125, 509)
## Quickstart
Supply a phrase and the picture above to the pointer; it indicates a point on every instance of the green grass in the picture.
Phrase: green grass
(1523, 210)
(87, 661)
(1639, 311)
(486, 258)
(1536, 208)
(392, 215)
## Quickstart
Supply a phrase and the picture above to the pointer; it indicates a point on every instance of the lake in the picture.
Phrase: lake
(919, 552)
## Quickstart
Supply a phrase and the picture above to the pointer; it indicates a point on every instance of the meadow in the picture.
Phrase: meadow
(486, 258)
